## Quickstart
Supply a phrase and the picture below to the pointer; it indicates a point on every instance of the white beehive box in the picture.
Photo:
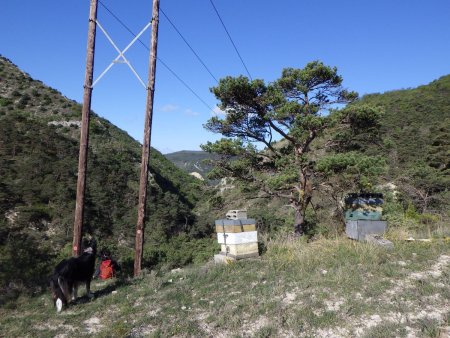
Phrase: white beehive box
(237, 237)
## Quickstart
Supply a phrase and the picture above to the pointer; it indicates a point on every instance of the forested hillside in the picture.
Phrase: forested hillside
(39, 137)
(415, 133)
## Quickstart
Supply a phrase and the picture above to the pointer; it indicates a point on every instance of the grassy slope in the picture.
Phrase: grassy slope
(325, 288)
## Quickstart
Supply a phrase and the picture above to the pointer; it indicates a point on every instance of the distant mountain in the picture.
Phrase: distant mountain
(191, 161)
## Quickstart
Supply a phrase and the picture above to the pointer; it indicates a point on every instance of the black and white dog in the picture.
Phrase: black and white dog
(69, 273)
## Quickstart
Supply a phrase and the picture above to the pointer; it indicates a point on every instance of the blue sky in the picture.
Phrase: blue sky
(377, 46)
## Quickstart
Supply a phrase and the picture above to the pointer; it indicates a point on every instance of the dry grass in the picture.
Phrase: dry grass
(327, 288)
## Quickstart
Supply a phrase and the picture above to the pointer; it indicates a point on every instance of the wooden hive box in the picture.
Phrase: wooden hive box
(240, 251)
(235, 225)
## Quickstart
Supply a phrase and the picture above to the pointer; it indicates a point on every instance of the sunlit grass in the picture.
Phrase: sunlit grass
(295, 288)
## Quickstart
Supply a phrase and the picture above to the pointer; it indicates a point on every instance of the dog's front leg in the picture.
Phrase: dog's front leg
(88, 289)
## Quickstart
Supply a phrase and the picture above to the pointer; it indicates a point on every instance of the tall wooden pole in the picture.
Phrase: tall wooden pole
(147, 141)
(84, 137)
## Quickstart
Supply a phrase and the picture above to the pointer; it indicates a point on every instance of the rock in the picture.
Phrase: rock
(378, 240)
(222, 259)
(197, 175)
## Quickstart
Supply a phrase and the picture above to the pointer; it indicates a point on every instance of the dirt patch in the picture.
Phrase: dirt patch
(435, 271)
(289, 298)
(93, 325)
(143, 331)
(415, 311)
(334, 305)
(338, 332)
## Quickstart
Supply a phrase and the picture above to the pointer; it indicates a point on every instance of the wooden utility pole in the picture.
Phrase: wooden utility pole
(84, 137)
(147, 141)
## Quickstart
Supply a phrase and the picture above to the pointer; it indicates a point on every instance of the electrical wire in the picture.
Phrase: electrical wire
(187, 43)
(159, 59)
(184, 83)
(229, 36)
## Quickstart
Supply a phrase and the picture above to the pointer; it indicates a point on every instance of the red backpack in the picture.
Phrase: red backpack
(106, 269)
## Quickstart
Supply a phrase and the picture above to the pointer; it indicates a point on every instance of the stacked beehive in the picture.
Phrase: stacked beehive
(237, 235)
(363, 213)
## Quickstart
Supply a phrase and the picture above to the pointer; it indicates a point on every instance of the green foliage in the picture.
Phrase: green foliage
(16, 93)
(356, 171)
(294, 108)
(357, 127)
(270, 223)
(425, 185)
(23, 101)
(179, 251)
(4, 102)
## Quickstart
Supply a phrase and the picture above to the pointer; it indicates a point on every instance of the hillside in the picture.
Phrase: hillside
(415, 132)
(328, 288)
(324, 285)
(39, 137)
(416, 124)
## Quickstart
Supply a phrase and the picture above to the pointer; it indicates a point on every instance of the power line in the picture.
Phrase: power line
(235, 48)
(159, 59)
(184, 83)
(187, 43)
(122, 23)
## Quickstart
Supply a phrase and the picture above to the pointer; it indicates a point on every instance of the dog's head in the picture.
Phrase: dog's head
(105, 254)
(89, 245)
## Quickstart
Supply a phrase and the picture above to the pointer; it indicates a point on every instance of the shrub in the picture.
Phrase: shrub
(5, 102)
(179, 251)
(46, 100)
(23, 101)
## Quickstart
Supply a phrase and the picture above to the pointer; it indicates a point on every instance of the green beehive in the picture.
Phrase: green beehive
(363, 206)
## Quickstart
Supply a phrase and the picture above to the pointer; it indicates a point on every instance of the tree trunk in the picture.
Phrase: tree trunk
(305, 193)
(299, 223)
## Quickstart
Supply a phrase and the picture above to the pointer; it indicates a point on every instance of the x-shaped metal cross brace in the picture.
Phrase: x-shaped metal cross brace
(121, 54)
